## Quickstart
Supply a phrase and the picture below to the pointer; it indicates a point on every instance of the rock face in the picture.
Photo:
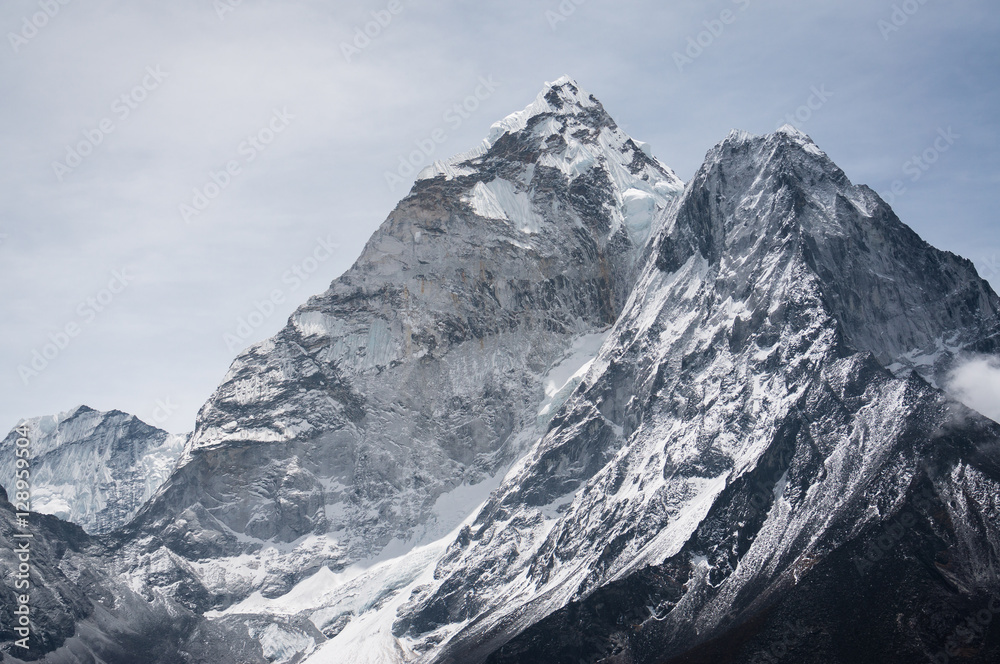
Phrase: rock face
(564, 409)
(91, 468)
(422, 370)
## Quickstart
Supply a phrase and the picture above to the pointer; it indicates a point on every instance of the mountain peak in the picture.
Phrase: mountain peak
(786, 135)
(759, 196)
(82, 409)
(566, 128)
(563, 97)
(565, 132)
(793, 131)
(94, 468)
(562, 80)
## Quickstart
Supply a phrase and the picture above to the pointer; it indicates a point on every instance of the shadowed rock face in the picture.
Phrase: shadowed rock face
(82, 613)
(750, 420)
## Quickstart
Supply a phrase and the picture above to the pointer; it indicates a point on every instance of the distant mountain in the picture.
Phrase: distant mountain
(91, 468)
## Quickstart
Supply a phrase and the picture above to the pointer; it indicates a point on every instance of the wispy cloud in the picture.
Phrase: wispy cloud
(976, 383)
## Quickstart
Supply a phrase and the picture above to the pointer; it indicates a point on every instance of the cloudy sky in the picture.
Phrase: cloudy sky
(165, 167)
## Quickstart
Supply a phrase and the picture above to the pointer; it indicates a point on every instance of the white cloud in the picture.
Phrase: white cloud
(976, 383)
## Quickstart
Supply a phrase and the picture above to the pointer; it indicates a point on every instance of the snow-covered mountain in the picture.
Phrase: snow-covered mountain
(564, 409)
(92, 468)
(756, 413)
(393, 403)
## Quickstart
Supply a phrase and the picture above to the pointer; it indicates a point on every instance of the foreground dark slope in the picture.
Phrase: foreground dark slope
(741, 441)
(82, 615)
(912, 586)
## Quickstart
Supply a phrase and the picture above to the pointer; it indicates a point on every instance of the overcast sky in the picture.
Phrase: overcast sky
(113, 113)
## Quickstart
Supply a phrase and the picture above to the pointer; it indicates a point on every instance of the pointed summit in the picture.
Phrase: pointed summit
(780, 193)
(563, 97)
(566, 133)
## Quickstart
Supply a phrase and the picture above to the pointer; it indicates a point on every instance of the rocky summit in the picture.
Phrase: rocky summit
(566, 408)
